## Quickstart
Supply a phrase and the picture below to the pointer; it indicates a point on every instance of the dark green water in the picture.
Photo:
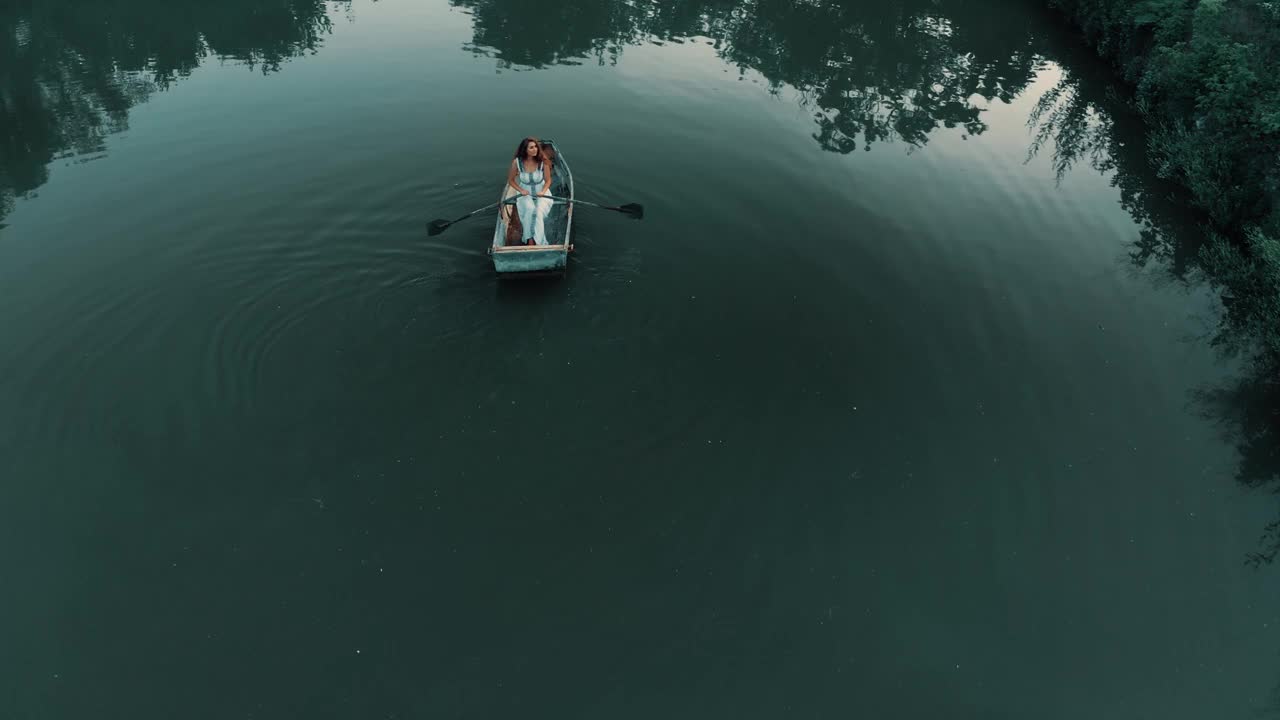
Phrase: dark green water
(894, 406)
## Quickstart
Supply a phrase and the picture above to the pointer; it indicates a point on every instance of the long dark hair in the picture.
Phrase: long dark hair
(522, 152)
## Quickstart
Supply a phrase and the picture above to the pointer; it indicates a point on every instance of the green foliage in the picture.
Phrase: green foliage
(1204, 73)
(1248, 276)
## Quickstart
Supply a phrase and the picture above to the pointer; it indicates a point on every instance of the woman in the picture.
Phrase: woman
(530, 175)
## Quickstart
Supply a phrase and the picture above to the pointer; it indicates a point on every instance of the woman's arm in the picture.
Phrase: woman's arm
(511, 178)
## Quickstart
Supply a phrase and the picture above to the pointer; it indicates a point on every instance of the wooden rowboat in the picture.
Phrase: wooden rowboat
(524, 261)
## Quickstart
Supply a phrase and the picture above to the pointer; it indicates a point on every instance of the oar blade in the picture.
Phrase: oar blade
(435, 227)
(634, 210)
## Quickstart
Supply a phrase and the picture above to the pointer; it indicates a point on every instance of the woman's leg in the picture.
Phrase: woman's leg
(527, 208)
(539, 231)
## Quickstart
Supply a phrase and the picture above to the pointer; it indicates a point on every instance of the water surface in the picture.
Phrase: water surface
(888, 408)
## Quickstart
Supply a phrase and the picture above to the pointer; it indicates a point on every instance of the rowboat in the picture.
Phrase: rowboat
(524, 261)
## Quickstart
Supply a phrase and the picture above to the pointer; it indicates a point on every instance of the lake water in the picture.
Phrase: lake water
(892, 406)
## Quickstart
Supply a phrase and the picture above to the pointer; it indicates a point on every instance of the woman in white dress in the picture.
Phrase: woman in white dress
(530, 175)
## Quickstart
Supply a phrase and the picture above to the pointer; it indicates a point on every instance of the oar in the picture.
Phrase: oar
(633, 210)
(439, 225)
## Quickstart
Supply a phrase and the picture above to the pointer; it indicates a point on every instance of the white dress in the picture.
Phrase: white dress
(533, 210)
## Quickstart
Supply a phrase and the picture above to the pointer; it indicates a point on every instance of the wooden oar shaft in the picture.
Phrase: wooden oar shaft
(473, 212)
(435, 227)
(566, 200)
(582, 202)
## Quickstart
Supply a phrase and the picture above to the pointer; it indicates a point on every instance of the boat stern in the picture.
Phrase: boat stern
(530, 260)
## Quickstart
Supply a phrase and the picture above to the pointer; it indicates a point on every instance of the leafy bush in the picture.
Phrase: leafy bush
(1204, 73)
